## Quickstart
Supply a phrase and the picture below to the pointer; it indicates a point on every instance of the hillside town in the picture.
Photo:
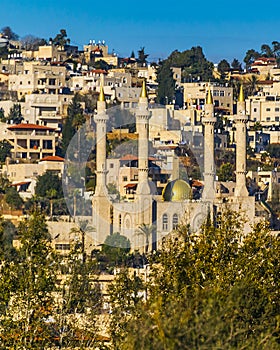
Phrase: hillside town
(123, 152)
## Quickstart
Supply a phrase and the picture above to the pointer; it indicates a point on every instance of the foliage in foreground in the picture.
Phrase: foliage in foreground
(46, 301)
(206, 291)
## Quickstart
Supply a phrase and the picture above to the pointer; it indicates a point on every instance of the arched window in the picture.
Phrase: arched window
(175, 221)
(164, 222)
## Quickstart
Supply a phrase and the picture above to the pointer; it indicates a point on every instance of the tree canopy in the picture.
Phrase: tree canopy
(8, 33)
(194, 66)
(47, 182)
(214, 290)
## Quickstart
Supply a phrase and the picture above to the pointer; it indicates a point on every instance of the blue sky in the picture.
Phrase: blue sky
(223, 29)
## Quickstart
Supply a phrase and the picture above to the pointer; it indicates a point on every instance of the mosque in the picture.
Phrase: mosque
(165, 212)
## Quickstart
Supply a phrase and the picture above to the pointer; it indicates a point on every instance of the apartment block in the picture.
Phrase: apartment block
(46, 109)
(30, 141)
(195, 92)
(37, 78)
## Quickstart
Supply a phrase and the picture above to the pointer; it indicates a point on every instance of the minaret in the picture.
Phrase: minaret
(240, 123)
(208, 121)
(101, 120)
(142, 128)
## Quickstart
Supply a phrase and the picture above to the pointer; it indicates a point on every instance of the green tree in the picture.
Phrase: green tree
(28, 283)
(73, 122)
(75, 112)
(146, 231)
(13, 198)
(61, 38)
(223, 68)
(212, 290)
(68, 131)
(48, 182)
(4, 183)
(251, 85)
(274, 150)
(115, 249)
(112, 189)
(166, 87)
(8, 33)
(250, 57)
(81, 300)
(194, 65)
(80, 233)
(2, 115)
(235, 64)
(5, 150)
(15, 116)
(226, 172)
(125, 294)
(142, 57)
(267, 51)
(51, 194)
(7, 233)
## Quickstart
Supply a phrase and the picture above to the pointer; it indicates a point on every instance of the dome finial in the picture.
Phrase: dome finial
(143, 93)
(241, 97)
(101, 97)
(209, 99)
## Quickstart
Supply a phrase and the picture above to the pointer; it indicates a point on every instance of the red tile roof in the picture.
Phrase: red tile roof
(99, 71)
(21, 183)
(129, 157)
(25, 126)
(130, 185)
(53, 159)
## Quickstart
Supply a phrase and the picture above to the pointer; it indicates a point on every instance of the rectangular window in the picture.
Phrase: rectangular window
(255, 109)
(124, 178)
(111, 165)
(268, 109)
(276, 109)
(215, 93)
(62, 246)
(277, 119)
(222, 93)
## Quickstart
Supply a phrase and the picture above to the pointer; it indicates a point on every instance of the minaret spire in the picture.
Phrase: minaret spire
(101, 119)
(241, 97)
(209, 121)
(240, 122)
(209, 99)
(143, 93)
(142, 128)
(101, 97)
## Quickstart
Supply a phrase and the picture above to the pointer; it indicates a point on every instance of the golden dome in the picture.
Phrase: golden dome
(176, 191)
